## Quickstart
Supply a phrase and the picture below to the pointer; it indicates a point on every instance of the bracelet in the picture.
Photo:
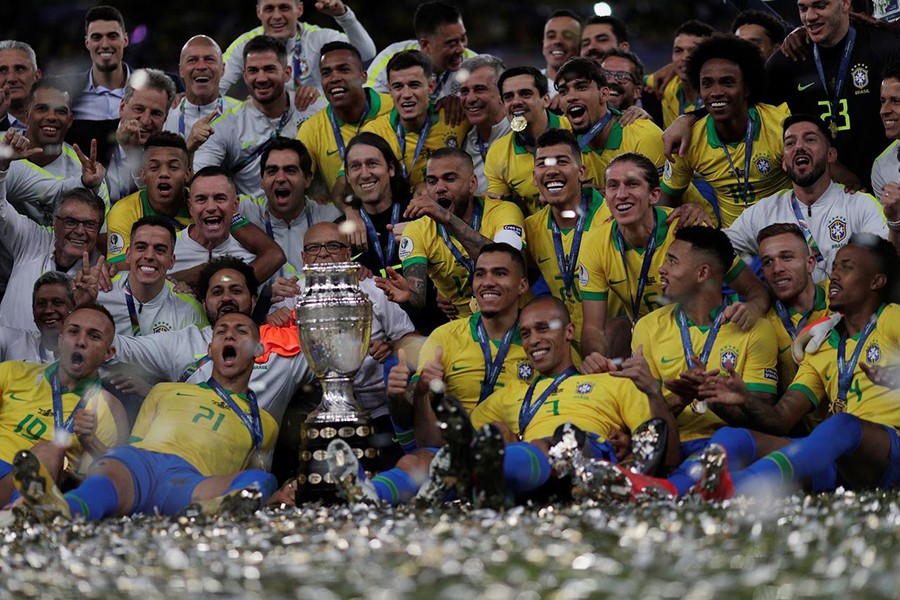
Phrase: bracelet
(893, 225)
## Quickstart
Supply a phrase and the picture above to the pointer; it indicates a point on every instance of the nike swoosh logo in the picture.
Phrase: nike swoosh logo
(331, 152)
(13, 397)
(515, 184)
(785, 349)
(666, 361)
(543, 260)
(801, 87)
(455, 368)
(827, 377)
(617, 281)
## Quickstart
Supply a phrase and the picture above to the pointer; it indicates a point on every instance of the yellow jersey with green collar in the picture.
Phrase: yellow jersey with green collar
(26, 409)
(509, 168)
(422, 244)
(787, 368)
(542, 252)
(642, 136)
(127, 211)
(464, 369)
(673, 101)
(706, 159)
(817, 376)
(612, 280)
(318, 136)
(753, 353)
(594, 403)
(194, 423)
(440, 135)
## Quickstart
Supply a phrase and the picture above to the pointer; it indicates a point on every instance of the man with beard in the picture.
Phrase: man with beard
(624, 74)
(600, 34)
(18, 72)
(52, 301)
(824, 211)
(244, 132)
(200, 67)
(451, 225)
(483, 108)
(562, 41)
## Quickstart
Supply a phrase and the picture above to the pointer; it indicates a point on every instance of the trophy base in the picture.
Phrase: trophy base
(314, 482)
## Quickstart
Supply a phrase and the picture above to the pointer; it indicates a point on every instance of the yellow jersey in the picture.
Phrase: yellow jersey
(26, 409)
(194, 423)
(673, 101)
(642, 136)
(539, 234)
(607, 273)
(509, 168)
(787, 368)
(594, 403)
(707, 159)
(464, 368)
(126, 212)
(318, 136)
(440, 135)
(422, 243)
(753, 353)
(817, 376)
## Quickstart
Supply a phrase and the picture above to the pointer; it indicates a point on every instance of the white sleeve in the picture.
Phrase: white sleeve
(742, 233)
(27, 186)
(877, 180)
(871, 215)
(214, 151)
(234, 65)
(394, 320)
(17, 232)
(165, 355)
(357, 34)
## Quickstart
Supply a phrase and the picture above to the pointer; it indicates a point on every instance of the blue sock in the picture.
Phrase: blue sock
(265, 482)
(525, 467)
(395, 486)
(94, 499)
(806, 458)
(738, 443)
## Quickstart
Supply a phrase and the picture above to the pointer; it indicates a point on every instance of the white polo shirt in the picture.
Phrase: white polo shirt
(167, 311)
(189, 253)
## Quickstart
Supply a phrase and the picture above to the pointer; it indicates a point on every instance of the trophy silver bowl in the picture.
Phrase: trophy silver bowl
(334, 319)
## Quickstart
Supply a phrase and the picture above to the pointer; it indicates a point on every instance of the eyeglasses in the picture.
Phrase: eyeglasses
(620, 76)
(330, 247)
(73, 223)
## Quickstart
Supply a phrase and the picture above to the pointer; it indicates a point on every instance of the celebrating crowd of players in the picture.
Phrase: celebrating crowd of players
(567, 300)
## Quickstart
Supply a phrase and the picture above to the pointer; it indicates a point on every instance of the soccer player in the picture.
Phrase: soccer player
(760, 27)
(483, 107)
(583, 91)
(441, 35)
(303, 41)
(18, 72)
(414, 127)
(562, 41)
(226, 285)
(738, 147)
(200, 67)
(845, 372)
(190, 444)
(624, 73)
(242, 133)
(142, 113)
(141, 300)
(682, 94)
(42, 401)
(600, 34)
(623, 266)
(838, 80)
(472, 357)
(213, 204)
(569, 222)
(450, 226)
(350, 106)
(52, 300)
(825, 212)
(285, 212)
(691, 338)
(509, 165)
(886, 168)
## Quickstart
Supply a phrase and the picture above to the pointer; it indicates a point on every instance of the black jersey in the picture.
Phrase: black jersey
(860, 133)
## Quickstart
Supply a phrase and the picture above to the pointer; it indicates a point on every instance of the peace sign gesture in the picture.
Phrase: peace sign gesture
(92, 172)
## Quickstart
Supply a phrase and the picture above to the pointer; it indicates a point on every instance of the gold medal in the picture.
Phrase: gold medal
(473, 305)
(839, 405)
(518, 124)
(833, 128)
(698, 406)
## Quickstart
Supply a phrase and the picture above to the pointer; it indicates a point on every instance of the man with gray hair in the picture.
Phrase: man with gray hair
(18, 72)
(142, 113)
(52, 299)
(483, 108)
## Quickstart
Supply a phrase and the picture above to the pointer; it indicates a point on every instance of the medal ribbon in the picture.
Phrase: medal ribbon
(807, 233)
(401, 140)
(785, 317)
(686, 343)
(528, 410)
(846, 368)
(132, 313)
(336, 130)
(267, 221)
(468, 263)
(220, 108)
(385, 253)
(645, 266)
(251, 421)
(566, 263)
(493, 367)
(585, 140)
(748, 156)
(262, 147)
(56, 390)
(198, 364)
(843, 69)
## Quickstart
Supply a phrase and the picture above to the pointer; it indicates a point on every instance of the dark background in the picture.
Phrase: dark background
(511, 30)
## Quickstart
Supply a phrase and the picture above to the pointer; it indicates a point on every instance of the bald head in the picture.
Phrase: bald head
(325, 243)
(201, 68)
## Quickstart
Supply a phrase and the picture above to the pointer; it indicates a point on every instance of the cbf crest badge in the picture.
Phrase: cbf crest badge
(584, 388)
(450, 142)
(728, 357)
(763, 164)
(837, 229)
(860, 74)
(524, 371)
(873, 353)
(302, 66)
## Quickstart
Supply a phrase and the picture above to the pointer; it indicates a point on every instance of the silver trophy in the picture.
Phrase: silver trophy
(334, 318)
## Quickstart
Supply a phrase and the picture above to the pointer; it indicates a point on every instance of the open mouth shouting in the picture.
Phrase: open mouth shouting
(577, 114)
(229, 355)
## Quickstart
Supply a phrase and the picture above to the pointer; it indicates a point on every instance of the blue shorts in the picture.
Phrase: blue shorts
(602, 450)
(891, 477)
(163, 482)
(5, 468)
(693, 447)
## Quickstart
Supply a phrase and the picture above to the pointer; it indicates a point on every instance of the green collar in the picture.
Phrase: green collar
(553, 122)
(473, 330)
(149, 210)
(395, 119)
(614, 139)
(206, 386)
(712, 137)
(729, 299)
(81, 387)
(834, 338)
(374, 108)
(662, 232)
(819, 302)
(594, 205)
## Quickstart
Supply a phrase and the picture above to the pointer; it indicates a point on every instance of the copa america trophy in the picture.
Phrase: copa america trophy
(334, 318)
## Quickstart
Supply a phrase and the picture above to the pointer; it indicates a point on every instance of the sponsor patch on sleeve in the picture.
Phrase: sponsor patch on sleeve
(770, 374)
(116, 243)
